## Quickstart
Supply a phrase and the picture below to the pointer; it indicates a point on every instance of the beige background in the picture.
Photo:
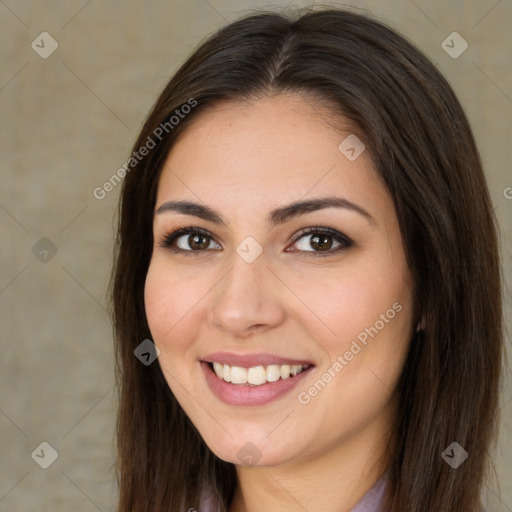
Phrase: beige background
(67, 124)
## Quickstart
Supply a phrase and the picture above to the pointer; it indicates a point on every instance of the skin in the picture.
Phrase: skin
(243, 160)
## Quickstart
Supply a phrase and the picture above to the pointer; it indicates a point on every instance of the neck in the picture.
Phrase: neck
(337, 478)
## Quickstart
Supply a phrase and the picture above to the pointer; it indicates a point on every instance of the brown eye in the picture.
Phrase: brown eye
(197, 242)
(191, 240)
(322, 240)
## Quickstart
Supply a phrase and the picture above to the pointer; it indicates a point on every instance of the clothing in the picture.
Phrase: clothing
(370, 502)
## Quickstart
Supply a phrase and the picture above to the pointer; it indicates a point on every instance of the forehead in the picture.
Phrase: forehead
(259, 154)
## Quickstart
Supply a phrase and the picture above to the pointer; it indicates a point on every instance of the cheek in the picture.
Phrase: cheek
(171, 305)
(375, 331)
(156, 296)
(342, 304)
(368, 311)
(364, 362)
(169, 301)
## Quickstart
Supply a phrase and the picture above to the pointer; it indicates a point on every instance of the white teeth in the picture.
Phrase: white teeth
(238, 374)
(257, 375)
(226, 373)
(285, 371)
(273, 372)
(219, 370)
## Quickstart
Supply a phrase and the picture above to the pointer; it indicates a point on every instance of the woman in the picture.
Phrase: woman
(306, 235)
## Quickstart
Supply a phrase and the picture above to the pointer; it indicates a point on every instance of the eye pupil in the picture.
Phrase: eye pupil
(321, 242)
(197, 245)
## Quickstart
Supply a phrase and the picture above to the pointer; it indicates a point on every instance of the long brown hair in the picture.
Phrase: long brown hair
(423, 148)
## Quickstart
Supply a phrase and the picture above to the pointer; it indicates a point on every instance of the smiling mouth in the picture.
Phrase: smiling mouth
(256, 375)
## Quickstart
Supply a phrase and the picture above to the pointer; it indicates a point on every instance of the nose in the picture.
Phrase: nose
(249, 299)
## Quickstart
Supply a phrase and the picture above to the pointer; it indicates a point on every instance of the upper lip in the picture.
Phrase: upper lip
(251, 360)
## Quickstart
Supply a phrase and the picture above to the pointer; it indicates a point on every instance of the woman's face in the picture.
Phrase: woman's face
(259, 295)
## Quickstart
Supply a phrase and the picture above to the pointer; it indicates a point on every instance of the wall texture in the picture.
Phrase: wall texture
(69, 115)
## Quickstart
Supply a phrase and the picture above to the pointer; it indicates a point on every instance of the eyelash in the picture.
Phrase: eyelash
(168, 239)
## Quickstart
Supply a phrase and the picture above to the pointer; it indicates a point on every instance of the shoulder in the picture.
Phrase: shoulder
(370, 502)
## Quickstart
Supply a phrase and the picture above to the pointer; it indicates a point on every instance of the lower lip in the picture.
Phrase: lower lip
(244, 394)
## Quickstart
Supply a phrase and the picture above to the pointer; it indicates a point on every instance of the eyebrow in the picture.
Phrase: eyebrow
(275, 217)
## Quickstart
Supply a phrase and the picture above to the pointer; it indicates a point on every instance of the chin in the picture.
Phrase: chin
(255, 451)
